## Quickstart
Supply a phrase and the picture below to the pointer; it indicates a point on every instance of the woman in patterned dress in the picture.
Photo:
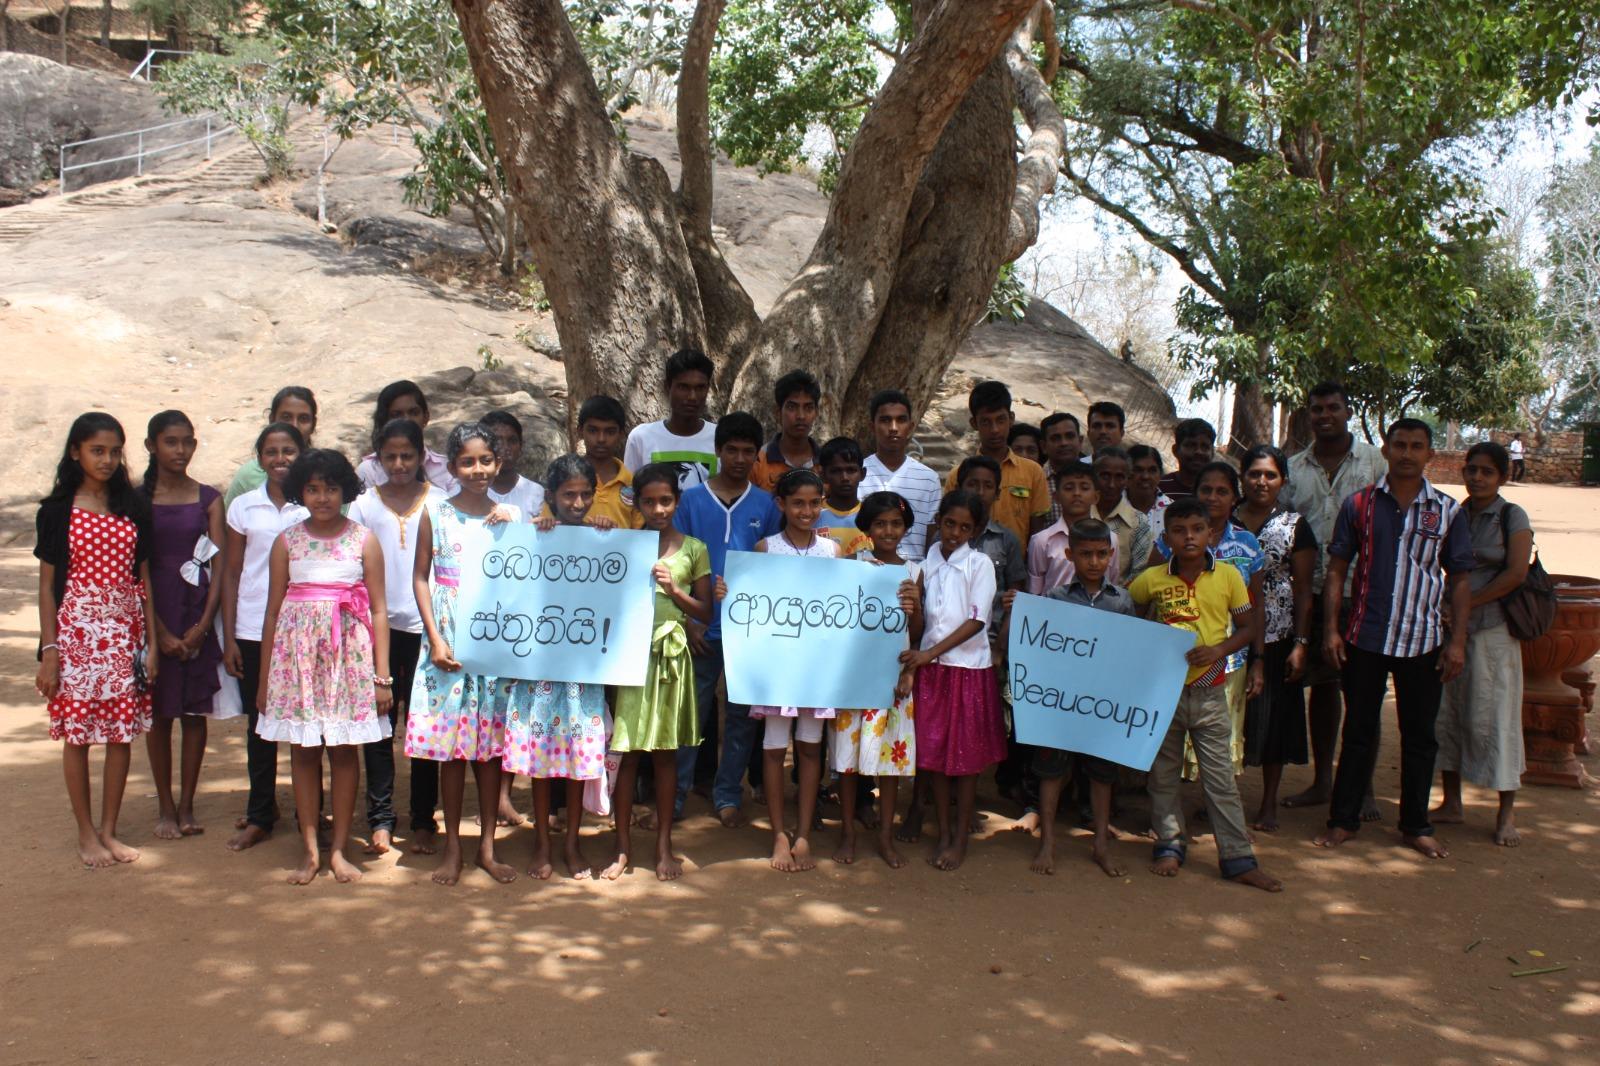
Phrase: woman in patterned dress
(1275, 719)
(97, 650)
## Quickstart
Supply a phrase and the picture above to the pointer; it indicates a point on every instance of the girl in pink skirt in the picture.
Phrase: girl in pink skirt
(960, 730)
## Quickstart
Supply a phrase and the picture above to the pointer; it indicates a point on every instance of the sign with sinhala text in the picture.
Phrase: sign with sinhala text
(802, 632)
(573, 604)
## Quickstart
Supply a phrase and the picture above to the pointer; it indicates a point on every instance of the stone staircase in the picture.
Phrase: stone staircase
(235, 165)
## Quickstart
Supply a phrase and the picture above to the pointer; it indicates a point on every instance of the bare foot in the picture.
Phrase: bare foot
(782, 857)
(496, 869)
(1428, 846)
(248, 837)
(449, 871)
(910, 830)
(578, 867)
(424, 842)
(1028, 823)
(241, 821)
(1257, 879)
(1315, 796)
(1266, 820)
(867, 813)
(668, 868)
(845, 853)
(306, 872)
(730, 817)
(95, 855)
(618, 867)
(1044, 860)
(509, 816)
(951, 856)
(119, 851)
(539, 867)
(167, 827)
(802, 854)
(892, 858)
(1332, 838)
(1506, 835)
(344, 871)
(1166, 867)
(187, 824)
(382, 840)
(1103, 860)
(1370, 811)
(644, 818)
(1447, 814)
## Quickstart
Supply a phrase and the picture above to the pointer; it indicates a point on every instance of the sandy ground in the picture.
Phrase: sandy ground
(195, 954)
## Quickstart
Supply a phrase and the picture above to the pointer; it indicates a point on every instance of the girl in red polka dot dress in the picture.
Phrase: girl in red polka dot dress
(97, 650)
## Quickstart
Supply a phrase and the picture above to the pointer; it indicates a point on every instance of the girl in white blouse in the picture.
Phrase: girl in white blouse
(960, 726)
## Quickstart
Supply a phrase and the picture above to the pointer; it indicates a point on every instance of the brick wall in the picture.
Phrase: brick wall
(1557, 461)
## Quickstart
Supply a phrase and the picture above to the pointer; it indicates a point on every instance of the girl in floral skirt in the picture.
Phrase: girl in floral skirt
(326, 645)
(455, 717)
(880, 743)
(557, 729)
(97, 650)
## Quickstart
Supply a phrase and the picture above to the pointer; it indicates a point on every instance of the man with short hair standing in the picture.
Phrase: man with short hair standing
(1320, 479)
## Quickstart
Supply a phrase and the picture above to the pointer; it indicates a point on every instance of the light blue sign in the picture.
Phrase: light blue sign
(1092, 681)
(573, 604)
(812, 632)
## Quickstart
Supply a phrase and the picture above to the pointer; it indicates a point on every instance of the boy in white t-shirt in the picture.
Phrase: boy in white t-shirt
(685, 438)
(509, 486)
(890, 469)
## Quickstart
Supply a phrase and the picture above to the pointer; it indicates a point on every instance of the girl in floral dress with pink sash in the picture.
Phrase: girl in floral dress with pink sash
(326, 645)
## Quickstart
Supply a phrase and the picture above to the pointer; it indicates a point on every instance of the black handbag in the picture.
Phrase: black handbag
(1530, 609)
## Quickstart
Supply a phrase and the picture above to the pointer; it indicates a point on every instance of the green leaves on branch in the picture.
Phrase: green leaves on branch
(248, 86)
(1306, 165)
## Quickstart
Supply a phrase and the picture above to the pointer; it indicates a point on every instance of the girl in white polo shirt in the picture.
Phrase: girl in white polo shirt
(254, 521)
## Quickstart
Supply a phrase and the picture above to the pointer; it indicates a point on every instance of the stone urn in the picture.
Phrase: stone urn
(1552, 708)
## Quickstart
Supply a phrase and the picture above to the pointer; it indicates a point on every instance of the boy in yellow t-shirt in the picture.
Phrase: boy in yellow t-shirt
(1192, 592)
(840, 463)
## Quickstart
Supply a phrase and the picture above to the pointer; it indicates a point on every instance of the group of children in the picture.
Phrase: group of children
(319, 598)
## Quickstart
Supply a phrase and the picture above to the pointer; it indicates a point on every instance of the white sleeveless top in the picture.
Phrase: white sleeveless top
(821, 547)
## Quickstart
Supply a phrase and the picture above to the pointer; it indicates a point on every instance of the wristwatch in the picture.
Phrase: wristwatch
(1304, 642)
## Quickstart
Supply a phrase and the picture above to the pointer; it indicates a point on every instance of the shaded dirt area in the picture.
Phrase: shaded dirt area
(194, 954)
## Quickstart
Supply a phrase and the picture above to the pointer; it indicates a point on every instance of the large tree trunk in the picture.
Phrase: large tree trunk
(105, 24)
(600, 221)
(632, 271)
(1252, 419)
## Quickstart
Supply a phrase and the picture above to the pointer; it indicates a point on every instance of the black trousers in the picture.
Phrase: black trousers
(404, 651)
(1417, 689)
(261, 756)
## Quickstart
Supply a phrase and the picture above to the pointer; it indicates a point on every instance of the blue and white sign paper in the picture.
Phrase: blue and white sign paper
(800, 632)
(1092, 681)
(573, 604)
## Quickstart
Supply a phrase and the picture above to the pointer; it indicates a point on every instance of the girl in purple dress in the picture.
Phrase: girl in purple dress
(187, 520)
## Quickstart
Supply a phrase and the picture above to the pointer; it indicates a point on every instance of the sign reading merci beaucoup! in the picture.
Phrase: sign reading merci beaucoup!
(799, 632)
(573, 604)
(1092, 681)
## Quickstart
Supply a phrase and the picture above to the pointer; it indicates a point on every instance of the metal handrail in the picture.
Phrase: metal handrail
(214, 130)
(142, 71)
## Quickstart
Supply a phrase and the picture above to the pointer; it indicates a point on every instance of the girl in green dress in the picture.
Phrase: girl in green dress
(659, 717)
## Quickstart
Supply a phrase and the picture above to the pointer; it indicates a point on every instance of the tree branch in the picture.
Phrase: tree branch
(1264, 39)
(1047, 137)
(694, 123)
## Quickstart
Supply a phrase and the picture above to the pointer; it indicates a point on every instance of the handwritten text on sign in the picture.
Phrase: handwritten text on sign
(802, 632)
(1093, 681)
(573, 604)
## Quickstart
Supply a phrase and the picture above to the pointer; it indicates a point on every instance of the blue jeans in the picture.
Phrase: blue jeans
(739, 734)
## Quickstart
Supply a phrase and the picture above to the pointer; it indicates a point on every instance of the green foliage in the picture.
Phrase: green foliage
(248, 86)
(782, 71)
(186, 19)
(1008, 302)
(1304, 164)
(1571, 210)
(487, 359)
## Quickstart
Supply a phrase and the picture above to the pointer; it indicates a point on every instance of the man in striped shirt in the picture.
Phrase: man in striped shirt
(1409, 543)
(890, 469)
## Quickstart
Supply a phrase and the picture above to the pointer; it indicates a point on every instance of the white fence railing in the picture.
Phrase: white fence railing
(204, 129)
(146, 67)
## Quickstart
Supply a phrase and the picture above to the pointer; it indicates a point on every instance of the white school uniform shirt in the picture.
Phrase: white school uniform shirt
(255, 517)
(695, 455)
(921, 488)
(435, 468)
(526, 496)
(956, 590)
(397, 536)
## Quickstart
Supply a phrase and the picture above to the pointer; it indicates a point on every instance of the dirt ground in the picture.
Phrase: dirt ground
(1373, 954)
